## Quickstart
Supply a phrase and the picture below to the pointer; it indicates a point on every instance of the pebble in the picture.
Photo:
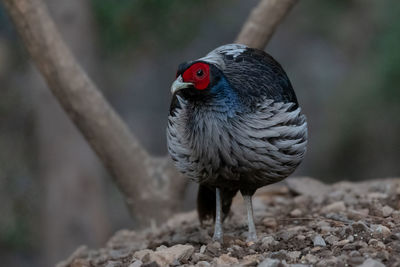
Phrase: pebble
(332, 261)
(203, 249)
(342, 242)
(381, 231)
(371, 263)
(301, 237)
(201, 257)
(293, 255)
(270, 263)
(296, 213)
(360, 227)
(213, 248)
(268, 242)
(250, 260)
(203, 264)
(318, 241)
(376, 243)
(387, 211)
(334, 207)
(166, 256)
(357, 215)
(112, 264)
(270, 223)
(396, 216)
(331, 239)
(311, 258)
(136, 264)
(377, 195)
(226, 260)
(356, 260)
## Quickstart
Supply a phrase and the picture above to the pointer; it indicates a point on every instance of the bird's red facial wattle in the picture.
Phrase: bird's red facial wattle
(198, 74)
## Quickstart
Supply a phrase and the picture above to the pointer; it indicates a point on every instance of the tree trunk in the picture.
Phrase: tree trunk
(74, 210)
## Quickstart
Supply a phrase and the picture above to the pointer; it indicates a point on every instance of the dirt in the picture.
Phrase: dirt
(301, 222)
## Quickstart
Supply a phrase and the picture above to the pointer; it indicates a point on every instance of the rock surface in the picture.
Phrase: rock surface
(300, 223)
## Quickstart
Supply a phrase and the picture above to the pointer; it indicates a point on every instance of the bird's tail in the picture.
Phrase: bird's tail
(206, 202)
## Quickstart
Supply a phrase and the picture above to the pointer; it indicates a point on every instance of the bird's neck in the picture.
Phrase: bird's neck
(222, 99)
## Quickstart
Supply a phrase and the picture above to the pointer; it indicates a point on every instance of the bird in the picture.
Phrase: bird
(234, 124)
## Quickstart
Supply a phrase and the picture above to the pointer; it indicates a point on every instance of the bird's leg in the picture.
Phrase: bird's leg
(218, 233)
(250, 218)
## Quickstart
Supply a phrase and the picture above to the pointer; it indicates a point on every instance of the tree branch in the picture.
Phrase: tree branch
(263, 21)
(147, 183)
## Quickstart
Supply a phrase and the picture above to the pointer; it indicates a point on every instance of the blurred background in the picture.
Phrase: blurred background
(342, 57)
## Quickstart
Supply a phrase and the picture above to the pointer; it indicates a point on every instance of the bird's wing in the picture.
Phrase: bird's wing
(253, 73)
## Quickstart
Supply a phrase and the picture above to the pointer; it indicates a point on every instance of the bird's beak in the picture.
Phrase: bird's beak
(178, 84)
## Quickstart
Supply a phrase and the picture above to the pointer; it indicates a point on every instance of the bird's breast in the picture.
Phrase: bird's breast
(258, 147)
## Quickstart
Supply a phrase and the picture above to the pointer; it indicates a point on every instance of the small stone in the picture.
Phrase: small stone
(112, 264)
(250, 260)
(342, 242)
(319, 241)
(80, 263)
(381, 231)
(349, 246)
(203, 249)
(203, 264)
(296, 213)
(383, 255)
(301, 237)
(334, 207)
(143, 255)
(226, 260)
(200, 257)
(357, 214)
(165, 256)
(371, 263)
(387, 211)
(213, 248)
(307, 186)
(350, 238)
(270, 223)
(356, 260)
(270, 263)
(327, 229)
(302, 200)
(136, 264)
(396, 216)
(332, 261)
(268, 242)
(331, 239)
(289, 233)
(311, 258)
(162, 247)
(359, 227)
(354, 254)
(315, 249)
(293, 255)
(376, 243)
(377, 195)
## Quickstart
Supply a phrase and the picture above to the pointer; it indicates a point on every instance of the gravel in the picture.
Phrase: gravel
(302, 222)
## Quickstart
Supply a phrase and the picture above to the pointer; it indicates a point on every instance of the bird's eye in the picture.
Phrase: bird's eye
(200, 73)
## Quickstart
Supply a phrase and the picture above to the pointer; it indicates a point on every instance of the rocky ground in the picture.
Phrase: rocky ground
(300, 223)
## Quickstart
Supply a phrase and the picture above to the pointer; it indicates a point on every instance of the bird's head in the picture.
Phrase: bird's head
(199, 80)
(233, 76)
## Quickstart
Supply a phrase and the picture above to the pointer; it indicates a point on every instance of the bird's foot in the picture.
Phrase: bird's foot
(251, 237)
(218, 234)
